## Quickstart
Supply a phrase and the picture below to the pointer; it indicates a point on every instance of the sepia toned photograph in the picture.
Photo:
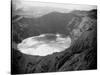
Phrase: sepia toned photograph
(51, 37)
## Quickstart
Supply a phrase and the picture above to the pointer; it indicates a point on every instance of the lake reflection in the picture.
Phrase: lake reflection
(45, 44)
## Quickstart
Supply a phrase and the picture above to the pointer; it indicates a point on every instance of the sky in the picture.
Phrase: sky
(30, 3)
(37, 9)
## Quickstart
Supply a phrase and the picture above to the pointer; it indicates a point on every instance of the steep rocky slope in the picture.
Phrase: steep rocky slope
(82, 55)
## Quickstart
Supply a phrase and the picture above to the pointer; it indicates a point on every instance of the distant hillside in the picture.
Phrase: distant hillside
(54, 22)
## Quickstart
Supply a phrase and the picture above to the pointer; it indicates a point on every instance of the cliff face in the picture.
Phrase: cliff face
(82, 55)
